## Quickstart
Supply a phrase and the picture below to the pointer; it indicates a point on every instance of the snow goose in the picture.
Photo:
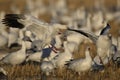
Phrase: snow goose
(47, 67)
(49, 51)
(103, 51)
(40, 55)
(81, 65)
(15, 57)
(106, 60)
(60, 60)
(28, 22)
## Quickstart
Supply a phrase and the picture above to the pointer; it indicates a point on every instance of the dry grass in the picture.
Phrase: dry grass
(32, 72)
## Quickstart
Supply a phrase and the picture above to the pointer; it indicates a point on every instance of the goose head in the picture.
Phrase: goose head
(60, 28)
(90, 50)
(105, 30)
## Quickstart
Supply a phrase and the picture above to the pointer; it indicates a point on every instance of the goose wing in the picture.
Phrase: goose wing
(27, 22)
(90, 35)
(11, 20)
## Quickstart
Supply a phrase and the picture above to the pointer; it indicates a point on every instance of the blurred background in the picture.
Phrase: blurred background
(70, 12)
(5, 5)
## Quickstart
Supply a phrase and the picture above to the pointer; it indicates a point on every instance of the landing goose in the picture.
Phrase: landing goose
(28, 22)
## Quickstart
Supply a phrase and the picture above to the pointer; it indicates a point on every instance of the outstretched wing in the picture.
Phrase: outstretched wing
(26, 21)
(90, 35)
(11, 20)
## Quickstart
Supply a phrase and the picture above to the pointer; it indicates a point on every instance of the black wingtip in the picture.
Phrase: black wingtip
(105, 30)
(11, 20)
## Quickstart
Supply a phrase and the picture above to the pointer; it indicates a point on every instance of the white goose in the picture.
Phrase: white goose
(104, 47)
(103, 42)
(28, 22)
(47, 67)
(16, 57)
(47, 52)
(60, 60)
(81, 65)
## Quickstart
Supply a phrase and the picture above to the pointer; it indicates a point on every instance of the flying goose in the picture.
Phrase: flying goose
(43, 31)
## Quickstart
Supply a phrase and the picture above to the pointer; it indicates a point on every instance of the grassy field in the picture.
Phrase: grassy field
(32, 71)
